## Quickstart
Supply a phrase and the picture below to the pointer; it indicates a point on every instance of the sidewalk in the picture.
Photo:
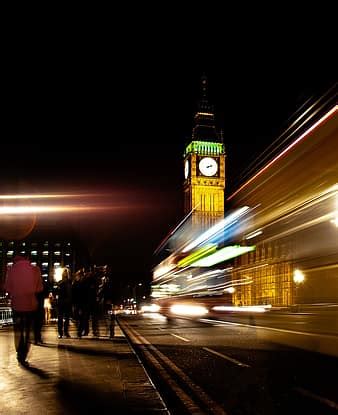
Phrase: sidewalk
(75, 376)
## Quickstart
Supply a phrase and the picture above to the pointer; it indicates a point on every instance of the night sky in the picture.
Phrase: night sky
(91, 116)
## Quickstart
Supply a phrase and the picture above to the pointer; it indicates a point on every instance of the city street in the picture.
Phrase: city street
(225, 368)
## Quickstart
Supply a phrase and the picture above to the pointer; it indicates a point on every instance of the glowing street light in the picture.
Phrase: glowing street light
(298, 277)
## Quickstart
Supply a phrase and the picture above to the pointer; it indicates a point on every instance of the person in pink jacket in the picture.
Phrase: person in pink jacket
(23, 282)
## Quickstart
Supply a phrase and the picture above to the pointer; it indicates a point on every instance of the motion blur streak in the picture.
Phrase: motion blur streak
(22, 210)
(45, 196)
(220, 226)
(222, 255)
(188, 310)
(31, 204)
(304, 135)
(152, 308)
(251, 309)
(200, 253)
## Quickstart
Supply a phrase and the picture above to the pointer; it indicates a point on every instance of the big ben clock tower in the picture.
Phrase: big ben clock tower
(204, 167)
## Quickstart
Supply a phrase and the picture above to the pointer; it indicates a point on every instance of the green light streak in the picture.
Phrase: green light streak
(222, 255)
(200, 253)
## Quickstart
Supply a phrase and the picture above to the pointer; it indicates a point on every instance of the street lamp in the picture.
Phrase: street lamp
(298, 276)
(298, 279)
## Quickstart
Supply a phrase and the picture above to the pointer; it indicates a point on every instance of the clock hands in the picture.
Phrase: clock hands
(208, 166)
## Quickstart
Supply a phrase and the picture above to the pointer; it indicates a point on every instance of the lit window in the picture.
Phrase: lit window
(67, 254)
(56, 264)
(57, 253)
(22, 252)
(9, 264)
(34, 252)
(45, 264)
(45, 253)
(33, 263)
(10, 253)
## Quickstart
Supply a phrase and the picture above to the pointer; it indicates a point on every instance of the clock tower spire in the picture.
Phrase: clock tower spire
(204, 166)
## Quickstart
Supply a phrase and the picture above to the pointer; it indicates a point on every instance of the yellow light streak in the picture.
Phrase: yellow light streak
(39, 196)
(254, 309)
(304, 135)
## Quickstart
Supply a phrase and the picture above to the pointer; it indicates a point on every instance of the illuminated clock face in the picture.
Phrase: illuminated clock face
(186, 169)
(208, 166)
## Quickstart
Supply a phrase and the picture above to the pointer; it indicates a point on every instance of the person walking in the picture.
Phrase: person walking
(107, 297)
(78, 301)
(64, 304)
(47, 305)
(23, 282)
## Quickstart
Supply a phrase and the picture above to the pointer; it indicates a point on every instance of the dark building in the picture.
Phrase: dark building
(48, 255)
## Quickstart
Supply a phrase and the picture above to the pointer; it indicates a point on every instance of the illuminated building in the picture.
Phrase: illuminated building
(204, 167)
(46, 254)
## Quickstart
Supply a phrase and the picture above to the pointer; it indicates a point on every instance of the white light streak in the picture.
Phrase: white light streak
(253, 234)
(253, 309)
(188, 310)
(32, 210)
(50, 196)
(216, 228)
(152, 308)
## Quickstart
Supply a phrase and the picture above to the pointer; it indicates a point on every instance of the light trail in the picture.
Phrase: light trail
(280, 155)
(32, 210)
(48, 196)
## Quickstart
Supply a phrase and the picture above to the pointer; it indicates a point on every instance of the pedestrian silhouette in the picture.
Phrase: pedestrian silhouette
(23, 282)
(64, 303)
